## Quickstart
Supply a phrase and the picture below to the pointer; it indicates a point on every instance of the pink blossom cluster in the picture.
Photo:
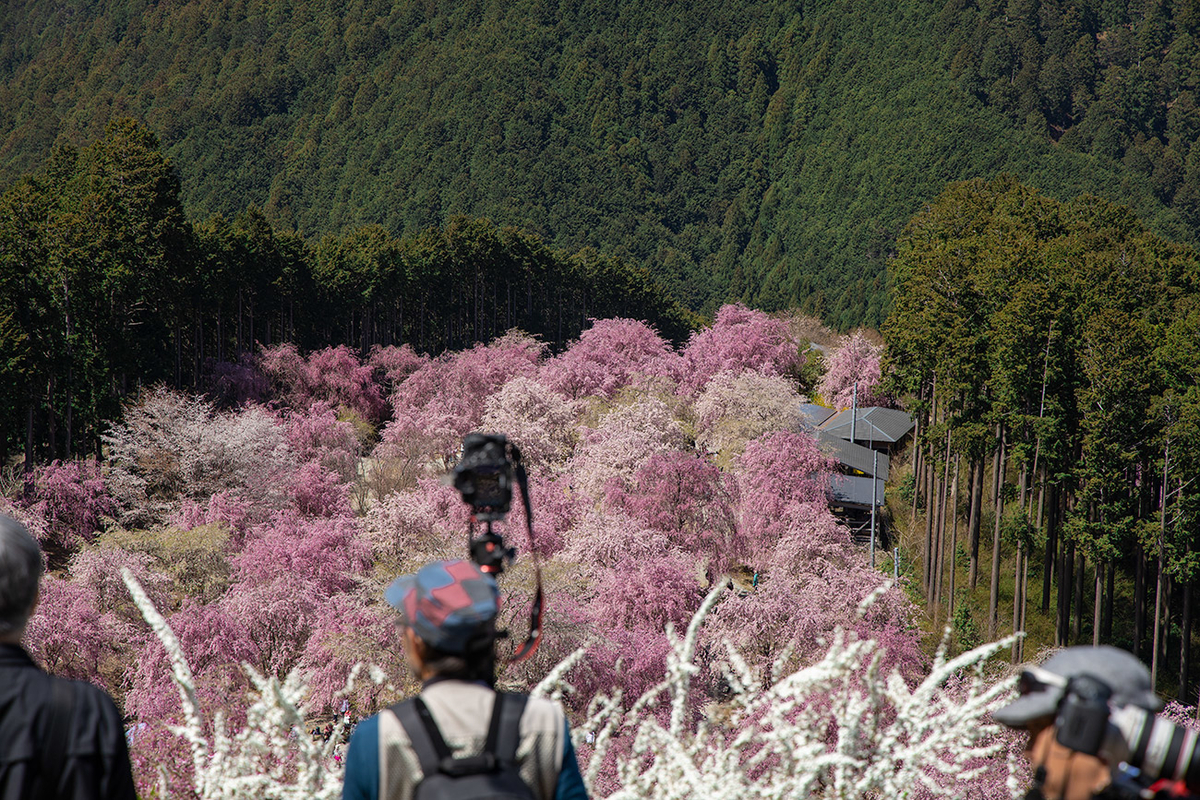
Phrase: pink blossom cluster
(266, 535)
(334, 376)
(855, 362)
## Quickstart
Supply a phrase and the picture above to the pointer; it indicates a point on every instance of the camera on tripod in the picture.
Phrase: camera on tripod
(484, 477)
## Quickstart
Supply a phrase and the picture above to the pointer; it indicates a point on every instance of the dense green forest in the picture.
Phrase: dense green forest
(768, 152)
(106, 286)
(1052, 353)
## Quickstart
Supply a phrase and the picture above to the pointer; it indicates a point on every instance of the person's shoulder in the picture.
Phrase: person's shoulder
(95, 721)
(542, 715)
(90, 696)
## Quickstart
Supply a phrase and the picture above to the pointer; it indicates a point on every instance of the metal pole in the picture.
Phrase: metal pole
(896, 564)
(854, 411)
(874, 499)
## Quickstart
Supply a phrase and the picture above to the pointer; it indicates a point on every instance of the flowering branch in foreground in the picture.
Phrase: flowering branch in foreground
(272, 757)
(834, 729)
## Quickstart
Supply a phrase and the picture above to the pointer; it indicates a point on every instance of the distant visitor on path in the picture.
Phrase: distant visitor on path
(459, 737)
(1089, 713)
(58, 738)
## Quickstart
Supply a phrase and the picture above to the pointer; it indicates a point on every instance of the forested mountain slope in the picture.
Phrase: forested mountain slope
(763, 151)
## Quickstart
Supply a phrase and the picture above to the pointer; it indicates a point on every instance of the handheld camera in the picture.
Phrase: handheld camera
(1152, 749)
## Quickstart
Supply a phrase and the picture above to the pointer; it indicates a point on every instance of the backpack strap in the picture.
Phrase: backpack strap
(434, 754)
(504, 731)
(54, 748)
(423, 734)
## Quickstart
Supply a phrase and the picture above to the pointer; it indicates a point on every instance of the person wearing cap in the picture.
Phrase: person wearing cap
(448, 613)
(58, 738)
(1059, 771)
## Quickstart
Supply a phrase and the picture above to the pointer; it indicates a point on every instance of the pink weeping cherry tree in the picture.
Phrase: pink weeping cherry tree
(739, 339)
(605, 358)
(855, 361)
(334, 376)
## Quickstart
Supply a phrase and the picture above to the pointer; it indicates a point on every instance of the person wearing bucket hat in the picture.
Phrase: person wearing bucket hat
(459, 736)
(1092, 733)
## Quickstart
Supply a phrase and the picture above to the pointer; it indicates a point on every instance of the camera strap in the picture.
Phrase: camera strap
(530, 645)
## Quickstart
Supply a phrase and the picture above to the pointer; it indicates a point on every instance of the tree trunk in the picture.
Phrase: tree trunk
(930, 505)
(1080, 570)
(1065, 582)
(953, 540)
(998, 482)
(1017, 601)
(1139, 598)
(1185, 646)
(1162, 533)
(1158, 598)
(1024, 604)
(941, 532)
(1098, 603)
(916, 474)
(973, 523)
(1107, 619)
(1051, 546)
(929, 497)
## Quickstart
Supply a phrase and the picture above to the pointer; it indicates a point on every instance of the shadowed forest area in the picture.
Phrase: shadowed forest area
(106, 286)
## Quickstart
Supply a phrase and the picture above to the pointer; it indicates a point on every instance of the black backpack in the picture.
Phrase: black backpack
(491, 775)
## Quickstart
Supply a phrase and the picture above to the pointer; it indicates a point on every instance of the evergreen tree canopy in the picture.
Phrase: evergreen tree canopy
(768, 152)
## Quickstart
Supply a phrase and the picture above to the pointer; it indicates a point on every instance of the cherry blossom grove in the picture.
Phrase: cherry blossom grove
(673, 488)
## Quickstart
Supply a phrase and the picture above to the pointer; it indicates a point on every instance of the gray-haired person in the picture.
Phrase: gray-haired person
(58, 738)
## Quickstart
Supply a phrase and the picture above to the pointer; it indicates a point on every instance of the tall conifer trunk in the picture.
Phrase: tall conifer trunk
(953, 540)
(1051, 545)
(1185, 645)
(929, 496)
(940, 560)
(1065, 582)
(1107, 619)
(1017, 601)
(998, 482)
(1162, 533)
(973, 520)
(1139, 598)
(916, 473)
(1080, 575)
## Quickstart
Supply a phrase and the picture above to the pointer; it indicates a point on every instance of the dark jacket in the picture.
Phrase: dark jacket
(95, 763)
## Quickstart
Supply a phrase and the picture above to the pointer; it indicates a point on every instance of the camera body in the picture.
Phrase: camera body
(1141, 747)
(1082, 720)
(484, 476)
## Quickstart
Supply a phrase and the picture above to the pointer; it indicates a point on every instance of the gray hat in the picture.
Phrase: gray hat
(1043, 686)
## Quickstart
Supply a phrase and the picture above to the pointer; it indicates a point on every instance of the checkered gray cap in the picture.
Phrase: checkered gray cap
(1125, 675)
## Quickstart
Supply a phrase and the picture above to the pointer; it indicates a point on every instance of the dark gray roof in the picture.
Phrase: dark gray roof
(814, 414)
(856, 491)
(874, 424)
(852, 456)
